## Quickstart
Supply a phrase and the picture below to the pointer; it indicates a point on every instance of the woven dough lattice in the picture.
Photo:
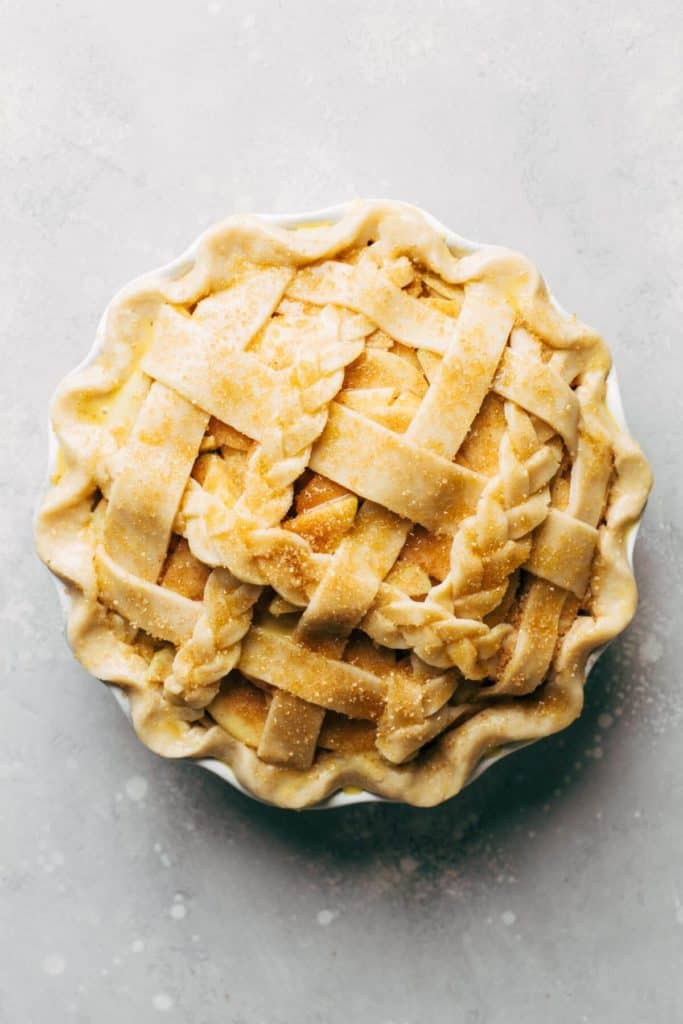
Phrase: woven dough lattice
(343, 506)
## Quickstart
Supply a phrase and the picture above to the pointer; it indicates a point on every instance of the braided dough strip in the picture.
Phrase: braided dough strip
(430, 627)
(214, 648)
(242, 537)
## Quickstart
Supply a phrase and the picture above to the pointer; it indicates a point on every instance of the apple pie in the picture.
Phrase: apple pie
(343, 505)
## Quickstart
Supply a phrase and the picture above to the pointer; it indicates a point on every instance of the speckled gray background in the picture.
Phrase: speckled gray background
(137, 890)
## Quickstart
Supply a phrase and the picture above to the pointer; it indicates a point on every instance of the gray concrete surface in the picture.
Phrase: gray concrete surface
(139, 890)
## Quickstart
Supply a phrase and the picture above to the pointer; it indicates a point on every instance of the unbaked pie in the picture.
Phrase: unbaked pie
(343, 506)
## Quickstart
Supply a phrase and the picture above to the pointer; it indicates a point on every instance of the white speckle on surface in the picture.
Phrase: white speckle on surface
(650, 650)
(137, 946)
(49, 863)
(605, 720)
(162, 1002)
(54, 964)
(508, 917)
(136, 788)
(164, 858)
(214, 7)
(326, 917)
(178, 911)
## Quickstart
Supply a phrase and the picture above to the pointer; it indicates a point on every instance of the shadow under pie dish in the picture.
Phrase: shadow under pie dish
(340, 501)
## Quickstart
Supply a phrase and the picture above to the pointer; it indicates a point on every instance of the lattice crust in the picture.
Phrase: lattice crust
(341, 506)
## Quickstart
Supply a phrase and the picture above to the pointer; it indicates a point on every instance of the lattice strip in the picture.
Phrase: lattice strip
(161, 612)
(278, 659)
(415, 483)
(563, 552)
(537, 388)
(244, 393)
(155, 466)
(368, 290)
(464, 375)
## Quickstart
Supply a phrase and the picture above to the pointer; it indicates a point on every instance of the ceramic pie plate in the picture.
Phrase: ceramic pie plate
(176, 268)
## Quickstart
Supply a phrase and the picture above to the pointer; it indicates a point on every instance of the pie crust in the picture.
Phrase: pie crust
(342, 505)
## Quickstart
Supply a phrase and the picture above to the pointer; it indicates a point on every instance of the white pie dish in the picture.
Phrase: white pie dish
(178, 267)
